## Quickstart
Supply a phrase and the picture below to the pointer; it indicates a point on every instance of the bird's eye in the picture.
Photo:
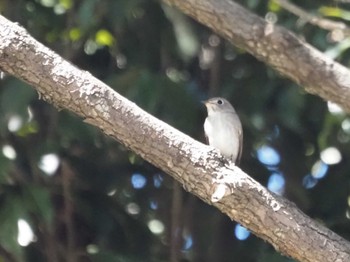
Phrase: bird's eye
(220, 102)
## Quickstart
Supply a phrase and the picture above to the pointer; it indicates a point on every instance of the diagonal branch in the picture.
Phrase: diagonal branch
(274, 45)
(319, 21)
(193, 164)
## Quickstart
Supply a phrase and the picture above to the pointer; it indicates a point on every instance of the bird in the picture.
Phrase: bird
(223, 128)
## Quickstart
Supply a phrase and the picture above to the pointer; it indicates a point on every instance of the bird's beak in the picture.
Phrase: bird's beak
(205, 102)
(208, 104)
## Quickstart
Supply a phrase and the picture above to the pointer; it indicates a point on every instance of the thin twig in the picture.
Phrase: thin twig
(317, 20)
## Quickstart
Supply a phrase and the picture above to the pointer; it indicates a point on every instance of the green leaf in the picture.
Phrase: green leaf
(104, 37)
(38, 201)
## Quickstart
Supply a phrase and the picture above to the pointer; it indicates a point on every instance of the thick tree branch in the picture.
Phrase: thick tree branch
(196, 166)
(274, 45)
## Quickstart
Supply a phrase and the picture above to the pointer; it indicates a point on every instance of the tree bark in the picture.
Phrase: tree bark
(199, 168)
(274, 45)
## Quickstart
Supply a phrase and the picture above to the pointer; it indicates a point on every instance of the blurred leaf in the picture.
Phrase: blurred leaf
(74, 34)
(104, 37)
(161, 97)
(335, 12)
(15, 98)
(184, 31)
(38, 201)
(5, 165)
(86, 13)
(273, 6)
(67, 4)
(11, 209)
(330, 123)
(75, 130)
(335, 51)
(122, 10)
(290, 106)
(28, 128)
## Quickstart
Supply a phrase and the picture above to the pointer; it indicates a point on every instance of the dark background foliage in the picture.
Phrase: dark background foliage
(85, 197)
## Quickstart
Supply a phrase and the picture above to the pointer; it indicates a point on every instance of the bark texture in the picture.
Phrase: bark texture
(200, 169)
(274, 45)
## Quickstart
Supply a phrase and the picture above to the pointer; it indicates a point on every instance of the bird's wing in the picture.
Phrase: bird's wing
(240, 141)
(206, 138)
(206, 129)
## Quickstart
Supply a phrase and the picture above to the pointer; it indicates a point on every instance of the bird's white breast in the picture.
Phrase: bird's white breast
(223, 134)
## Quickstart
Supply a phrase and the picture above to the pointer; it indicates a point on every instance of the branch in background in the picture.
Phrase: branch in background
(274, 45)
(199, 168)
(342, 1)
(335, 27)
(176, 229)
(67, 175)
